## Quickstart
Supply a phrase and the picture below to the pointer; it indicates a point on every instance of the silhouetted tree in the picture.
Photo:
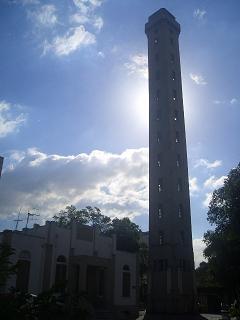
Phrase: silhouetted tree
(127, 233)
(6, 267)
(66, 217)
(89, 215)
(205, 276)
(223, 244)
(97, 219)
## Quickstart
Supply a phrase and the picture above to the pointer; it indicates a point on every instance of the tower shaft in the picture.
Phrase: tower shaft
(171, 278)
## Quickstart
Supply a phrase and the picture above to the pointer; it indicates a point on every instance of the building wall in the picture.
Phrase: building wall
(83, 246)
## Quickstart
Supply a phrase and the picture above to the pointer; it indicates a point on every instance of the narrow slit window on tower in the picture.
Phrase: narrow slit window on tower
(175, 115)
(160, 185)
(158, 112)
(174, 95)
(178, 161)
(161, 238)
(159, 160)
(160, 211)
(177, 138)
(158, 137)
(179, 185)
(172, 58)
(173, 75)
(180, 211)
(157, 95)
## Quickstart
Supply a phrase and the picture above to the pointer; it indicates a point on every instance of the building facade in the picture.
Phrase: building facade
(171, 277)
(80, 258)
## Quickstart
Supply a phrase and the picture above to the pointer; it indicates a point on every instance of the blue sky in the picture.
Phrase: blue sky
(73, 103)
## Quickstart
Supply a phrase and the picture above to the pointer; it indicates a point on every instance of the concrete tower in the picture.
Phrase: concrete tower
(171, 279)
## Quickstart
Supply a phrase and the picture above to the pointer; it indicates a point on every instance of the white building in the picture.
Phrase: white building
(81, 258)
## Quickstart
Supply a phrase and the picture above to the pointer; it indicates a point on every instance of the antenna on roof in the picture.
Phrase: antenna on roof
(18, 220)
(29, 214)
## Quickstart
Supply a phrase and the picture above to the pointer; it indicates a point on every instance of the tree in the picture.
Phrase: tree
(6, 267)
(89, 215)
(97, 219)
(66, 217)
(127, 233)
(223, 243)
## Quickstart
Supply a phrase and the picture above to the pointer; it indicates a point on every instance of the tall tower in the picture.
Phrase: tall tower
(171, 279)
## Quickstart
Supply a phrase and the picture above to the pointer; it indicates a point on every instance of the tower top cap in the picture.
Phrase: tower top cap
(162, 15)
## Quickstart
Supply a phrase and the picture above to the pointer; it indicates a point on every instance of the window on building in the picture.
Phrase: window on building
(160, 211)
(179, 185)
(173, 75)
(180, 211)
(156, 40)
(23, 271)
(159, 160)
(161, 238)
(177, 138)
(174, 95)
(160, 186)
(175, 115)
(126, 282)
(61, 271)
(172, 58)
(158, 114)
(158, 137)
(178, 161)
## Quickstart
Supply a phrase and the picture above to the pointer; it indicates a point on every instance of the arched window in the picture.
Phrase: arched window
(126, 282)
(23, 271)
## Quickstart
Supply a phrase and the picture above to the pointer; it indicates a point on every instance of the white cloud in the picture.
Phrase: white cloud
(198, 247)
(206, 163)
(199, 14)
(44, 16)
(138, 65)
(98, 23)
(193, 186)
(101, 54)
(10, 121)
(74, 39)
(208, 197)
(86, 13)
(214, 183)
(78, 18)
(116, 183)
(233, 101)
(29, 2)
(219, 102)
(198, 79)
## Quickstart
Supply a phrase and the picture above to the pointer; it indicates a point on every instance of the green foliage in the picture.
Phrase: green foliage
(6, 267)
(223, 244)
(89, 215)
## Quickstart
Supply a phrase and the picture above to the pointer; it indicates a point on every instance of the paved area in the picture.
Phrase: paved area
(144, 316)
